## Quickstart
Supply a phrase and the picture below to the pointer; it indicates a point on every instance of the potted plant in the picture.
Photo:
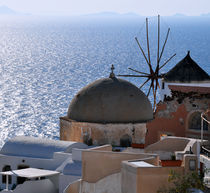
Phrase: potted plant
(172, 162)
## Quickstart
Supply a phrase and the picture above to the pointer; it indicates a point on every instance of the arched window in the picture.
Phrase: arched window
(195, 122)
(6, 168)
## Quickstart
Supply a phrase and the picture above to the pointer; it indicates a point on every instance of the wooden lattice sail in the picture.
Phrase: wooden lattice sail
(154, 74)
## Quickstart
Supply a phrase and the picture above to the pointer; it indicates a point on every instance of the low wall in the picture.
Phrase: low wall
(109, 184)
(193, 145)
(102, 148)
(99, 164)
(74, 187)
(137, 179)
(45, 186)
(170, 144)
(65, 180)
(158, 176)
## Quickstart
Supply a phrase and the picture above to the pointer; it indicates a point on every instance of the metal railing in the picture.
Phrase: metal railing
(203, 118)
(205, 151)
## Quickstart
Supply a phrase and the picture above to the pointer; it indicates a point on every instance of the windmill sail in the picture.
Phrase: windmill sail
(153, 75)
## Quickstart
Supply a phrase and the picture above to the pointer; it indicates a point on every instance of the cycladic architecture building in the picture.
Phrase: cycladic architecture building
(185, 75)
(185, 95)
(62, 157)
(107, 111)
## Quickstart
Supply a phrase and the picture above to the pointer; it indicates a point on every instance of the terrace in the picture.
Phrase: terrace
(32, 180)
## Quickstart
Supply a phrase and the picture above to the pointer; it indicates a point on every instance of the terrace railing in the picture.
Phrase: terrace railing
(205, 151)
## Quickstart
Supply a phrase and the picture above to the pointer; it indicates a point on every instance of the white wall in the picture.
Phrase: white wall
(39, 186)
(50, 164)
(13, 161)
(109, 184)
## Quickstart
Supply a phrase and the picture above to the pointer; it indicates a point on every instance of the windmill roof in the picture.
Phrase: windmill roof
(187, 70)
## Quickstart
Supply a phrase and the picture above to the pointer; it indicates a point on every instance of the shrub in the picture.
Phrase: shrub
(183, 183)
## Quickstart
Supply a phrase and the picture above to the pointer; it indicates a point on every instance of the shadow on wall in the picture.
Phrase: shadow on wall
(125, 141)
(45, 186)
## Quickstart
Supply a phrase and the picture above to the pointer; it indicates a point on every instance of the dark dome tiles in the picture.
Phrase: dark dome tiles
(110, 100)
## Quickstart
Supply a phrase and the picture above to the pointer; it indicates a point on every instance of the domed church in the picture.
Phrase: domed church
(107, 111)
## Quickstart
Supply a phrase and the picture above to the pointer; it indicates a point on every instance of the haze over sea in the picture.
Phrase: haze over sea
(44, 62)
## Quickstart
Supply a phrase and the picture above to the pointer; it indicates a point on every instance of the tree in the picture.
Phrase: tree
(183, 183)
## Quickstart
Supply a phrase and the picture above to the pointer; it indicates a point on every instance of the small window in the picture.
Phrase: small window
(192, 165)
(163, 85)
(125, 141)
(4, 177)
(164, 96)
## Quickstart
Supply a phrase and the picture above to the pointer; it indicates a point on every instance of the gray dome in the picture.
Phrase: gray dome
(110, 100)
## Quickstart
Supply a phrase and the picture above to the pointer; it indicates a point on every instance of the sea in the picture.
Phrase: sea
(45, 61)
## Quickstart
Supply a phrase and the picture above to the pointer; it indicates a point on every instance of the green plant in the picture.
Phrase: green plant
(183, 183)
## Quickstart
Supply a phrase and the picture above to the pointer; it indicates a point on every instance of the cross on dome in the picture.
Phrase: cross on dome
(112, 75)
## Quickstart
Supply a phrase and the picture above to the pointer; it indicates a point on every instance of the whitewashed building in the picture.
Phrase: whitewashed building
(185, 75)
(61, 157)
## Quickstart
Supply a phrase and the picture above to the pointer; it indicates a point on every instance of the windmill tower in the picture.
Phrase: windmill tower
(154, 74)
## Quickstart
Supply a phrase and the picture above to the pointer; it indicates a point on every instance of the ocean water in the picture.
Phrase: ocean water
(44, 62)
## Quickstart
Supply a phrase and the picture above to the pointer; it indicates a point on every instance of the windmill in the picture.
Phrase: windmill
(154, 74)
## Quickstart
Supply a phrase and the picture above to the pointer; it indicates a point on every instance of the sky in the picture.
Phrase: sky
(80, 7)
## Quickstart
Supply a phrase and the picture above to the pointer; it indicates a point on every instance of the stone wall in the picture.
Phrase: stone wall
(100, 134)
(173, 114)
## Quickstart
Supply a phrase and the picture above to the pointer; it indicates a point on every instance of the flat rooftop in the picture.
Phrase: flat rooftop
(142, 164)
(30, 173)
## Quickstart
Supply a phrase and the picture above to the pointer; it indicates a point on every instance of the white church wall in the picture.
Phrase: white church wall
(164, 91)
(167, 92)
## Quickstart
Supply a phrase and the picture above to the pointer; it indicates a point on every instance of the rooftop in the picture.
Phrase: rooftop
(37, 147)
(187, 70)
(142, 164)
(30, 173)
